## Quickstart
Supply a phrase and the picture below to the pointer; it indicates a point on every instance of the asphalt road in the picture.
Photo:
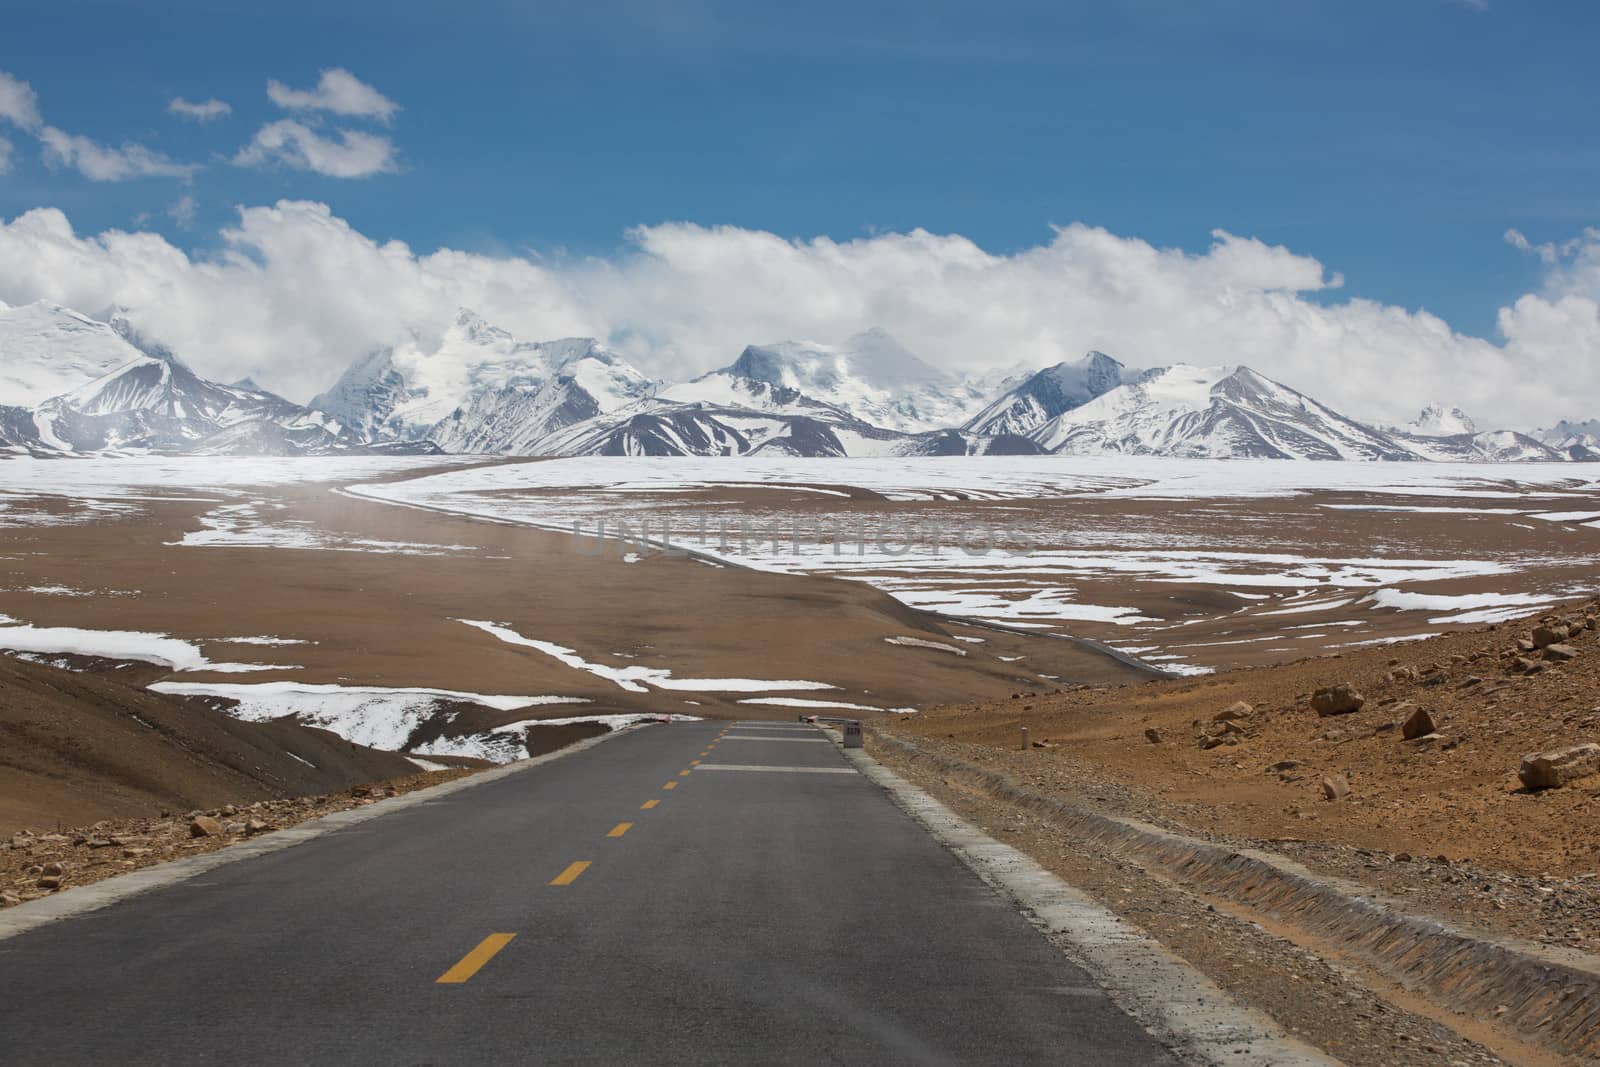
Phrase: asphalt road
(764, 905)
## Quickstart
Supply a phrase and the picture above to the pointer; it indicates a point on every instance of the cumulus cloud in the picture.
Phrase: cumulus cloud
(338, 91)
(353, 155)
(204, 111)
(296, 293)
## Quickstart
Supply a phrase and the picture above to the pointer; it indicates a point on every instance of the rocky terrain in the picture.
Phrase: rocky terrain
(36, 863)
(1460, 771)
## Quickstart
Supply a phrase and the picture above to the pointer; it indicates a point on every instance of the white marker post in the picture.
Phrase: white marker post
(852, 735)
(1024, 738)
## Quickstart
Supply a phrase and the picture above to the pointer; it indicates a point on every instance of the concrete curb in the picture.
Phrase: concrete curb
(80, 900)
(1551, 996)
(1181, 1007)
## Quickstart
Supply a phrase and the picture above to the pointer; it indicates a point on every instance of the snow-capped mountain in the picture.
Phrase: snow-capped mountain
(1051, 392)
(47, 350)
(70, 382)
(871, 378)
(588, 381)
(161, 405)
(1574, 440)
(115, 390)
(1212, 412)
(405, 391)
(1438, 421)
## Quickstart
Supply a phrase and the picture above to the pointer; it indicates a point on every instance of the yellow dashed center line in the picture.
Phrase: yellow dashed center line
(647, 805)
(570, 875)
(694, 763)
(473, 961)
(620, 829)
(670, 785)
(684, 774)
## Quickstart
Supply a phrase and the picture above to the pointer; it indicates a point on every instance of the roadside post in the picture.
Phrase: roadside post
(1024, 737)
(852, 734)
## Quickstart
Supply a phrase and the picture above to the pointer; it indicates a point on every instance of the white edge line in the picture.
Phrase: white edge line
(1176, 1003)
(81, 900)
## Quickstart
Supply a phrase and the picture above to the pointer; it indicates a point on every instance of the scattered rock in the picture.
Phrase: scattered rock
(255, 826)
(1402, 674)
(1554, 769)
(1153, 736)
(1284, 765)
(204, 826)
(1233, 712)
(1560, 653)
(1337, 700)
(1335, 786)
(1417, 724)
(49, 881)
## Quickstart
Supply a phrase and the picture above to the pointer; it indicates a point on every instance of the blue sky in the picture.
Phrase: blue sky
(1395, 141)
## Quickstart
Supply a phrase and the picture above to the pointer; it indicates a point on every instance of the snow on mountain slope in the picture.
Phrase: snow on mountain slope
(1574, 440)
(1051, 392)
(725, 389)
(1214, 412)
(871, 377)
(47, 350)
(514, 420)
(160, 404)
(1438, 421)
(406, 390)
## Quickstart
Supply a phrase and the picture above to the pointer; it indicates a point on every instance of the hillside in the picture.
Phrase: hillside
(79, 747)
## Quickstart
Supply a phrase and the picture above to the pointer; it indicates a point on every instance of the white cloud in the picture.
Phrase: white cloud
(353, 155)
(297, 293)
(338, 91)
(18, 102)
(6, 163)
(204, 111)
(100, 163)
(182, 211)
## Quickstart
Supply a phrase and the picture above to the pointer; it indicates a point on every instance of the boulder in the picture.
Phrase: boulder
(1337, 700)
(1559, 652)
(1417, 724)
(1544, 636)
(1153, 736)
(1556, 768)
(204, 826)
(1234, 712)
(1335, 787)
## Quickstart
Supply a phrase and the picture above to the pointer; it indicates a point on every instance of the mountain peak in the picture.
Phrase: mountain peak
(1048, 393)
(1438, 421)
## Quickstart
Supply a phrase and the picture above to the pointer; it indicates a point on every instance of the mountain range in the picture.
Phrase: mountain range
(71, 383)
